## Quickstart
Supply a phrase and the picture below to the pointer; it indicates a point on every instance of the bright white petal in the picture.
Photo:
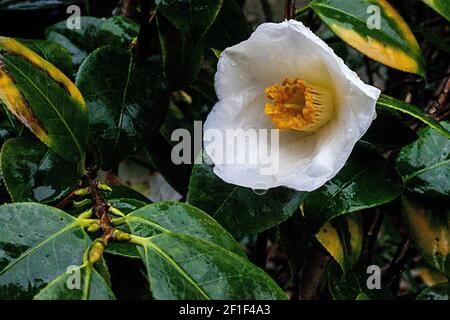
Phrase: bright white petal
(272, 53)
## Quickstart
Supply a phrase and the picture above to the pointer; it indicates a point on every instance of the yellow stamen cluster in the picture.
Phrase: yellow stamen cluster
(298, 105)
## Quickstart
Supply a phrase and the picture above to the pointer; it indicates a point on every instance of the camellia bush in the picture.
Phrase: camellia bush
(119, 181)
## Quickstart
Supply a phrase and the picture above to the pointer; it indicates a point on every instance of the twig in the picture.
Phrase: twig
(399, 261)
(373, 235)
(289, 10)
(261, 249)
(143, 39)
(312, 276)
(267, 9)
(101, 209)
(437, 107)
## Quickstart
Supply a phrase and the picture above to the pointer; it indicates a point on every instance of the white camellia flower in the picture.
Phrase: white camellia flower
(285, 77)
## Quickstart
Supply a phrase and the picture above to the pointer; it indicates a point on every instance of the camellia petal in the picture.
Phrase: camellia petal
(279, 55)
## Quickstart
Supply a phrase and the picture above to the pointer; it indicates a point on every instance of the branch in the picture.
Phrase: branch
(289, 10)
(438, 107)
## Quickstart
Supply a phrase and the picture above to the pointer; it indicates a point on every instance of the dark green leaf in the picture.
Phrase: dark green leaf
(174, 217)
(33, 172)
(127, 101)
(181, 56)
(240, 210)
(37, 244)
(353, 285)
(437, 292)
(92, 286)
(118, 31)
(392, 103)
(425, 164)
(363, 183)
(33, 4)
(79, 42)
(184, 267)
(119, 192)
(229, 28)
(440, 6)
(191, 18)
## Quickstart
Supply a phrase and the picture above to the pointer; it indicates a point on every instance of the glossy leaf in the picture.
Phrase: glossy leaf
(33, 172)
(184, 267)
(437, 292)
(191, 18)
(440, 6)
(353, 285)
(425, 164)
(174, 217)
(44, 100)
(229, 28)
(125, 249)
(120, 192)
(392, 103)
(343, 239)
(181, 56)
(364, 182)
(118, 31)
(126, 102)
(33, 4)
(37, 244)
(428, 229)
(392, 44)
(51, 51)
(240, 210)
(92, 286)
(79, 42)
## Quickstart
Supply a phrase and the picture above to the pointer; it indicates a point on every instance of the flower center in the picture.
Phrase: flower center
(299, 105)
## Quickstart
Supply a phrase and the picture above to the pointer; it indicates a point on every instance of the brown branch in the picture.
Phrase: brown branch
(373, 236)
(100, 209)
(438, 108)
(313, 275)
(289, 9)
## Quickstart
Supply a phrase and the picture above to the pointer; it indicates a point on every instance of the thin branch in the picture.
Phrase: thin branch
(143, 39)
(438, 107)
(267, 9)
(373, 236)
(289, 10)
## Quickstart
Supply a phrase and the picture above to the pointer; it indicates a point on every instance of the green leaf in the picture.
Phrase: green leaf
(79, 42)
(181, 56)
(438, 292)
(92, 286)
(184, 267)
(440, 6)
(393, 44)
(229, 28)
(37, 245)
(240, 210)
(425, 164)
(174, 217)
(127, 102)
(33, 172)
(120, 192)
(191, 18)
(44, 100)
(343, 239)
(117, 31)
(364, 182)
(428, 228)
(51, 51)
(392, 103)
(125, 249)
(353, 285)
(33, 4)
